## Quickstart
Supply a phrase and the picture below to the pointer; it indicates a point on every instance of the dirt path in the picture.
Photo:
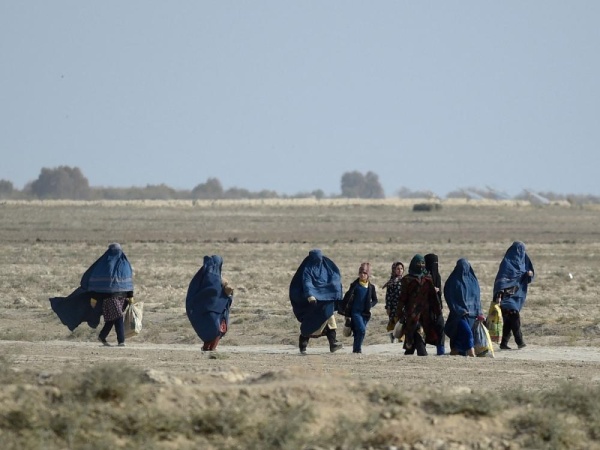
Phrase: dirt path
(535, 367)
(530, 353)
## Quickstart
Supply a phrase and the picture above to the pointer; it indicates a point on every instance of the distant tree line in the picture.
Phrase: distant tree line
(66, 182)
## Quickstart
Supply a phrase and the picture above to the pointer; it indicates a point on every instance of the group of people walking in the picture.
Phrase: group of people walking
(413, 301)
(106, 289)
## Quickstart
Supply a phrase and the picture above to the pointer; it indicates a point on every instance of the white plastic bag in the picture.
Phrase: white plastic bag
(347, 331)
(399, 330)
(133, 319)
(483, 342)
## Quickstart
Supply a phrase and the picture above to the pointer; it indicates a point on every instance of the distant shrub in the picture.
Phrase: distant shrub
(63, 182)
(6, 189)
(212, 189)
(427, 207)
(356, 185)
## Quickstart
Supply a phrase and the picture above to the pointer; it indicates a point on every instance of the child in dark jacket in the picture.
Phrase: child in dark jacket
(357, 303)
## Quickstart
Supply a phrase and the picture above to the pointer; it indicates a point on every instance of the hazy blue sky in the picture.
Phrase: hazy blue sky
(288, 96)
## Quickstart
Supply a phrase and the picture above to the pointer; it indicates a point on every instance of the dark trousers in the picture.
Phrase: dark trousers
(331, 337)
(119, 328)
(512, 323)
(359, 328)
(439, 329)
(418, 345)
(303, 342)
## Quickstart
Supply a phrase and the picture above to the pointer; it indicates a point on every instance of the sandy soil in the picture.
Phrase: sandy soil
(534, 367)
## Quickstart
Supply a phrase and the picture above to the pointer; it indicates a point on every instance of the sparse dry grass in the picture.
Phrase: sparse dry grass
(46, 246)
(117, 405)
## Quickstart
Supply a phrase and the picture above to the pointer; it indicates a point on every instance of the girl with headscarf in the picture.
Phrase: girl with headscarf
(392, 295)
(417, 308)
(510, 289)
(462, 295)
(315, 292)
(432, 266)
(208, 301)
(357, 303)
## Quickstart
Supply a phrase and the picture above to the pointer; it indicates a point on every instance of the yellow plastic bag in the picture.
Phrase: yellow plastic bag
(494, 322)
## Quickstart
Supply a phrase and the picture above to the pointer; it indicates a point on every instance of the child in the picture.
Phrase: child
(392, 294)
(357, 303)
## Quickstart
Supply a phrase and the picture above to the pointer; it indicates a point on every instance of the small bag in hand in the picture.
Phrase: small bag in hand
(483, 342)
(132, 319)
(399, 330)
(347, 331)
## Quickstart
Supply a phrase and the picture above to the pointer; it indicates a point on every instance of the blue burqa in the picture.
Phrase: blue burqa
(512, 273)
(111, 273)
(76, 309)
(463, 297)
(317, 276)
(206, 303)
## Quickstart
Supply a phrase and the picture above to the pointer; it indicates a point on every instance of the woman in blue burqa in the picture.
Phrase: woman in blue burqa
(315, 291)
(110, 280)
(105, 289)
(463, 297)
(510, 290)
(208, 301)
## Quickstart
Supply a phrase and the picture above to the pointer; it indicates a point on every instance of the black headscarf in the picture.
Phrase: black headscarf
(431, 264)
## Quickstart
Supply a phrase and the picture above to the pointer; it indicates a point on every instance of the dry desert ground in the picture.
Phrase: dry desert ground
(257, 391)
